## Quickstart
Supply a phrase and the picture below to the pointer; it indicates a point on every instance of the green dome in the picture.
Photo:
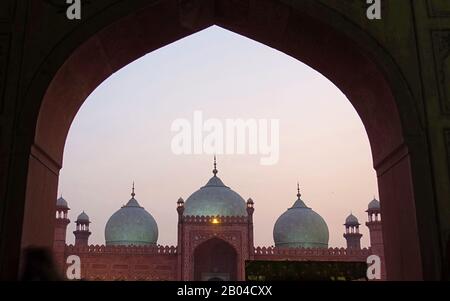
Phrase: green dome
(300, 227)
(215, 199)
(131, 225)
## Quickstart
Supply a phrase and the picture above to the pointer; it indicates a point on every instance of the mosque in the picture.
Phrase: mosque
(215, 239)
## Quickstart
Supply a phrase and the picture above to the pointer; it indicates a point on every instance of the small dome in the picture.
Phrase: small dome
(374, 205)
(215, 199)
(131, 225)
(300, 227)
(61, 202)
(351, 220)
(83, 217)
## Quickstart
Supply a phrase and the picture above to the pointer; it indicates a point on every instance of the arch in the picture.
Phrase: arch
(344, 53)
(215, 260)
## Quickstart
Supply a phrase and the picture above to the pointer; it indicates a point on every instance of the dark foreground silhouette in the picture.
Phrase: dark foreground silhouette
(38, 265)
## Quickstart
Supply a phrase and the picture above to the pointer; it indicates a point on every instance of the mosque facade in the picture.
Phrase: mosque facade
(215, 239)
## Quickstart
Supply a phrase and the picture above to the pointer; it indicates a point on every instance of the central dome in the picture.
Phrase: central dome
(215, 199)
(131, 225)
(300, 227)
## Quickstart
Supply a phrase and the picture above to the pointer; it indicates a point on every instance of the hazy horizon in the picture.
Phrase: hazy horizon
(123, 133)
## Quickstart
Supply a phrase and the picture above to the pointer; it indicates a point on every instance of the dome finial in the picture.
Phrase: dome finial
(298, 190)
(215, 166)
(132, 191)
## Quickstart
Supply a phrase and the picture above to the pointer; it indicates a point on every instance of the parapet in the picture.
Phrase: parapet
(326, 254)
(142, 250)
(215, 219)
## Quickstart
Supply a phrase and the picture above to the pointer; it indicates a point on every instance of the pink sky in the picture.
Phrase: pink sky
(122, 134)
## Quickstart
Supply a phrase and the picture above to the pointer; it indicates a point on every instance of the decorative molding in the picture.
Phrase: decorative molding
(233, 238)
(441, 55)
(135, 250)
(438, 8)
(208, 220)
(318, 253)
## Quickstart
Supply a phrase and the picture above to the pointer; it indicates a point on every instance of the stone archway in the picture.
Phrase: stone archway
(310, 32)
(215, 260)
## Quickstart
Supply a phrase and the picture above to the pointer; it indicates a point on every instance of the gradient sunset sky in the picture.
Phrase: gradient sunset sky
(123, 134)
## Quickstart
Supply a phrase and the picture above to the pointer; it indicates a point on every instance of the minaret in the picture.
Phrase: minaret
(250, 209)
(180, 210)
(59, 239)
(251, 243)
(82, 231)
(375, 229)
(352, 235)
